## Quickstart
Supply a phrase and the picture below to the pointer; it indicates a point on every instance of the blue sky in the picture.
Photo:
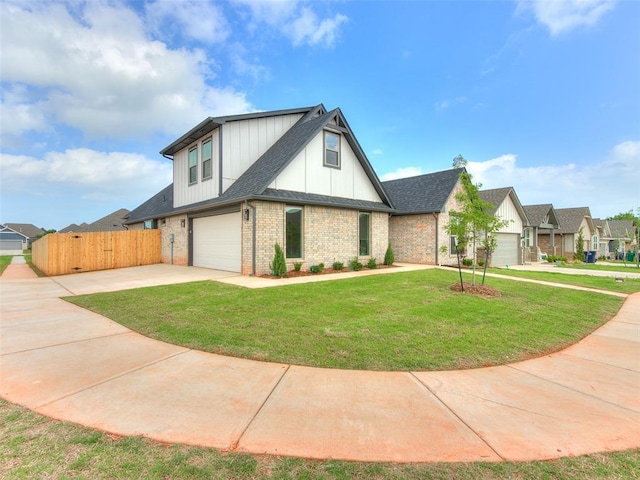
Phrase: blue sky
(542, 96)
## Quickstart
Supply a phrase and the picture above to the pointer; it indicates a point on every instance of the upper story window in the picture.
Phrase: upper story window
(331, 149)
(193, 165)
(206, 159)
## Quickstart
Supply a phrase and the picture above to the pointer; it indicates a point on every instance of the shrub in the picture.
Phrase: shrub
(481, 263)
(556, 258)
(297, 266)
(372, 264)
(279, 266)
(388, 256)
(467, 262)
(317, 268)
(355, 264)
(338, 265)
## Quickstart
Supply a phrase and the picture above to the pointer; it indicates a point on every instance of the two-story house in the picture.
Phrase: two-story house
(243, 183)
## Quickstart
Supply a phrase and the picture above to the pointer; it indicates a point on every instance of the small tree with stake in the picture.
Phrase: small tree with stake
(580, 246)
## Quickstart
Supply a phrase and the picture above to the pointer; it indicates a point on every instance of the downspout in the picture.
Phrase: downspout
(435, 216)
(253, 237)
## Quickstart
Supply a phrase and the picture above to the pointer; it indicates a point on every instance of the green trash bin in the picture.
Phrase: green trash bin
(631, 256)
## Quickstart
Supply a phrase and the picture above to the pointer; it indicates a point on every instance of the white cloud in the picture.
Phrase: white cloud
(85, 174)
(296, 20)
(196, 19)
(447, 103)
(607, 188)
(401, 173)
(96, 70)
(377, 151)
(561, 16)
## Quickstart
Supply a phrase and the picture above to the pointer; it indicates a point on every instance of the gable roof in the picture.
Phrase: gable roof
(211, 123)
(254, 183)
(536, 215)
(424, 193)
(497, 196)
(112, 222)
(27, 229)
(8, 233)
(621, 228)
(571, 218)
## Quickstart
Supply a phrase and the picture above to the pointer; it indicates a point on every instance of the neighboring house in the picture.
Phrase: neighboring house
(603, 233)
(29, 233)
(11, 242)
(243, 183)
(507, 207)
(417, 229)
(621, 236)
(572, 221)
(109, 223)
(539, 232)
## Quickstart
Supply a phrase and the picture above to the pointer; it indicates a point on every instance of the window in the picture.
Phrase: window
(331, 149)
(294, 232)
(453, 244)
(193, 165)
(206, 159)
(363, 234)
(594, 242)
(526, 238)
(150, 224)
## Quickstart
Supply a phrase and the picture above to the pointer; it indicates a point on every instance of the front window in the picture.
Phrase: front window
(331, 149)
(294, 232)
(594, 242)
(206, 159)
(453, 244)
(193, 165)
(363, 234)
(527, 238)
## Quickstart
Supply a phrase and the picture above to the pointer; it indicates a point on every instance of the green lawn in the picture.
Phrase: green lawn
(629, 285)
(4, 261)
(595, 266)
(399, 321)
(33, 446)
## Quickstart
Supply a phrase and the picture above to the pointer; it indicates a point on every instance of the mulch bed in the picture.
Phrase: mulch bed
(325, 271)
(480, 290)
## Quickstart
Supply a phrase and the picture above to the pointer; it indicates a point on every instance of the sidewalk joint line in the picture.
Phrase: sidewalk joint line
(234, 444)
(435, 395)
(44, 347)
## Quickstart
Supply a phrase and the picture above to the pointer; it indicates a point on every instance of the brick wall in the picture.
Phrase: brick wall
(173, 225)
(413, 238)
(329, 235)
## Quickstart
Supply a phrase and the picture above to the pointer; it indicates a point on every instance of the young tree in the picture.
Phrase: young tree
(457, 228)
(474, 218)
(580, 246)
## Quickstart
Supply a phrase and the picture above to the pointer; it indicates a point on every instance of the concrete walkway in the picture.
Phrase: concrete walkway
(18, 269)
(71, 364)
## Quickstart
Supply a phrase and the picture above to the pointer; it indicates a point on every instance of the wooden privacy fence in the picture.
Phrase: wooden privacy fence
(62, 253)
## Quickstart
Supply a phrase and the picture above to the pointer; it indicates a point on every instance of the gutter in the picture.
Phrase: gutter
(435, 216)
(253, 236)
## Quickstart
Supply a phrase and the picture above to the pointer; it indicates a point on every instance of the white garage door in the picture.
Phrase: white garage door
(507, 251)
(217, 242)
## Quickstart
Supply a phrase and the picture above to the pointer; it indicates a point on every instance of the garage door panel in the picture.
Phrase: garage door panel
(217, 242)
(507, 251)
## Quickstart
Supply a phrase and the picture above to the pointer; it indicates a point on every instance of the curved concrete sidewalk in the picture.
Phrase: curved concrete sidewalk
(71, 364)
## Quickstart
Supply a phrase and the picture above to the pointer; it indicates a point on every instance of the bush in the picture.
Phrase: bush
(556, 258)
(388, 256)
(372, 264)
(297, 266)
(467, 262)
(355, 264)
(338, 265)
(317, 268)
(279, 265)
(481, 263)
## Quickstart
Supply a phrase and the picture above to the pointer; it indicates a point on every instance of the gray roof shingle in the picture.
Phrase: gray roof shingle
(621, 228)
(495, 197)
(161, 204)
(27, 229)
(424, 193)
(537, 214)
(571, 218)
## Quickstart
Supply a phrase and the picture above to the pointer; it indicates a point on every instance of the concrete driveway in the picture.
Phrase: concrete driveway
(71, 364)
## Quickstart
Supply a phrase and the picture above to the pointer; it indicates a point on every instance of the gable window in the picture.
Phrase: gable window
(193, 165)
(293, 247)
(364, 230)
(331, 149)
(206, 159)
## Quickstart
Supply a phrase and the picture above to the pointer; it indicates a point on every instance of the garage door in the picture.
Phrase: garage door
(217, 242)
(11, 245)
(507, 251)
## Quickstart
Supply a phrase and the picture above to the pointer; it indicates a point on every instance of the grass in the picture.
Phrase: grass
(34, 446)
(5, 260)
(609, 268)
(399, 321)
(629, 285)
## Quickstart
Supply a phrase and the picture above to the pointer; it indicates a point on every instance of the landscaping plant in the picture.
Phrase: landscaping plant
(279, 265)
(389, 258)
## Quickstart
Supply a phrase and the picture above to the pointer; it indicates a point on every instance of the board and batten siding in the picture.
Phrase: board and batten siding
(307, 173)
(185, 194)
(245, 141)
(508, 211)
